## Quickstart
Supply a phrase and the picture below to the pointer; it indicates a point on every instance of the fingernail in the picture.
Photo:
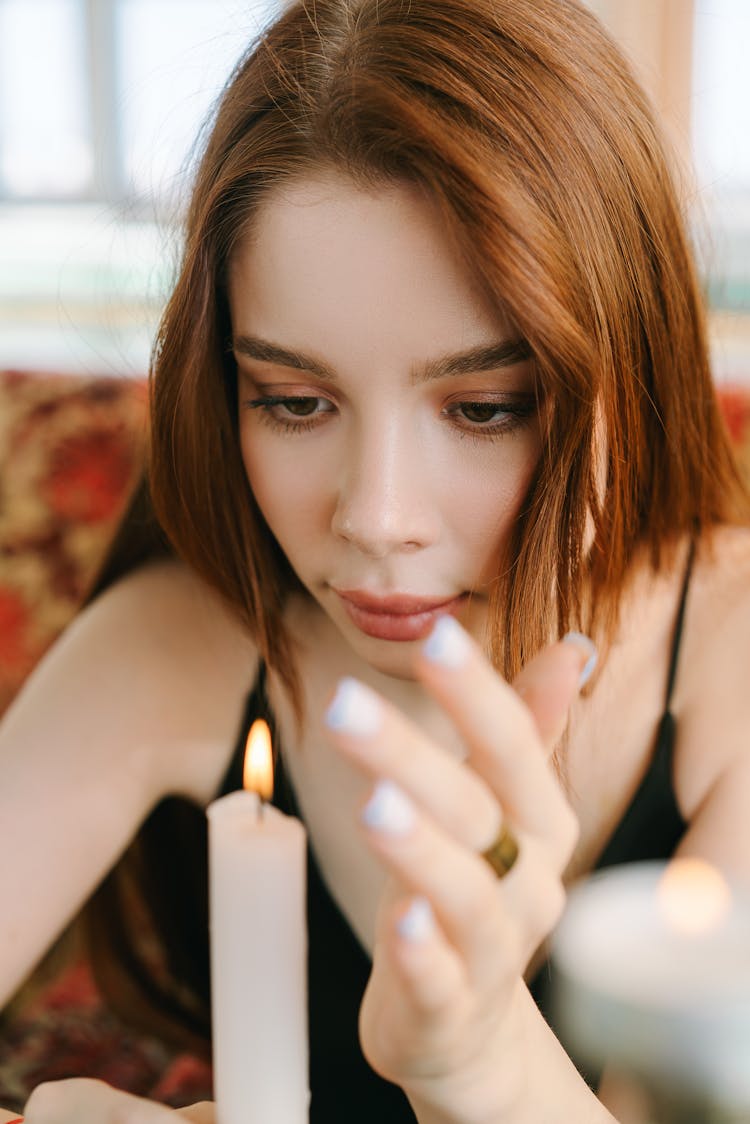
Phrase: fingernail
(389, 810)
(354, 709)
(589, 649)
(418, 923)
(447, 645)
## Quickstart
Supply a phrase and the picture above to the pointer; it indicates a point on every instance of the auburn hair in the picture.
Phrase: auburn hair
(523, 124)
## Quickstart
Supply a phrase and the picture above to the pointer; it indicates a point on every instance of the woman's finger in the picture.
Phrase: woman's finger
(203, 1112)
(549, 682)
(500, 733)
(431, 974)
(495, 925)
(81, 1100)
(416, 985)
(8, 1117)
(385, 743)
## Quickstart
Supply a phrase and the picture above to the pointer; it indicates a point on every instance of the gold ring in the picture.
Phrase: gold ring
(502, 854)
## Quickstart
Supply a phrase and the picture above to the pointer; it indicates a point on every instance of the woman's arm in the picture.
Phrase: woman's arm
(123, 709)
(552, 1088)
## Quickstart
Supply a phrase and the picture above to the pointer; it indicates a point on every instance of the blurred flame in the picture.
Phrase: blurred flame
(694, 897)
(258, 768)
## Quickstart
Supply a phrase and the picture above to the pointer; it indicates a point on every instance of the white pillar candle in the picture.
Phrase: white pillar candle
(653, 967)
(257, 864)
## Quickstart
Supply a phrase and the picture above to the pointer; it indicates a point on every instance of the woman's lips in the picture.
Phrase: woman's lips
(398, 617)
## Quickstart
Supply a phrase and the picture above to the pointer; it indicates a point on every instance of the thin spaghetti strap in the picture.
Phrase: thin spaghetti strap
(263, 707)
(260, 682)
(677, 636)
(284, 796)
(256, 706)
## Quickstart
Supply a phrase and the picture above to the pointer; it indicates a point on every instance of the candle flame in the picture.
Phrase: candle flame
(258, 768)
(694, 897)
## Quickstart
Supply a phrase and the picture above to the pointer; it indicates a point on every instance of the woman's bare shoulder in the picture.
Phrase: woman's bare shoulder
(713, 689)
(722, 572)
(141, 696)
(717, 629)
(167, 605)
(159, 667)
(167, 584)
(713, 703)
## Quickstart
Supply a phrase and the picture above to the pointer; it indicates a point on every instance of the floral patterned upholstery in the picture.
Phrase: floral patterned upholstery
(70, 448)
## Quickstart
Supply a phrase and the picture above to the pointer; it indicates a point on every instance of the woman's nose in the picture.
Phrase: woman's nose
(384, 497)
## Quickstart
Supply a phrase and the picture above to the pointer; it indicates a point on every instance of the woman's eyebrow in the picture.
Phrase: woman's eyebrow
(485, 357)
(265, 352)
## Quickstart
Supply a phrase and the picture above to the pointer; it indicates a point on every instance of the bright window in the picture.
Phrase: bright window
(721, 145)
(101, 102)
(721, 101)
(107, 100)
(46, 146)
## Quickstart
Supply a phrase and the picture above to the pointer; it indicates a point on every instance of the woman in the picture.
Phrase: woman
(431, 393)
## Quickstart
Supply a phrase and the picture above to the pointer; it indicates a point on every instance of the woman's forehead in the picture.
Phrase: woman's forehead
(325, 251)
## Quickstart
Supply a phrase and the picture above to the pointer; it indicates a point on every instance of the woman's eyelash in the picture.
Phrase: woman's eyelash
(512, 413)
(269, 405)
(300, 415)
(281, 400)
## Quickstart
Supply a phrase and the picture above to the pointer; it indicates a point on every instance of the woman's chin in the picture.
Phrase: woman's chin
(393, 658)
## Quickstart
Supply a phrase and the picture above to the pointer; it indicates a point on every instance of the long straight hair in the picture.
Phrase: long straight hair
(523, 124)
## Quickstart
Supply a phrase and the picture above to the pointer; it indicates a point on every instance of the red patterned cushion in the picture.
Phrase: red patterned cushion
(70, 449)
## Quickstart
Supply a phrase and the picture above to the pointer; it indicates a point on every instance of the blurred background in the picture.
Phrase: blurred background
(101, 102)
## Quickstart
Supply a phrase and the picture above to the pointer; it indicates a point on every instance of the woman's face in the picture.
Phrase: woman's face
(388, 418)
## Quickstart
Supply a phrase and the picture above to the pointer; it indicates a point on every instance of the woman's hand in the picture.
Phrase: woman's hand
(445, 1014)
(80, 1100)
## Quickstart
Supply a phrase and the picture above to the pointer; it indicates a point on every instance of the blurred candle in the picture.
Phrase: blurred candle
(257, 863)
(653, 975)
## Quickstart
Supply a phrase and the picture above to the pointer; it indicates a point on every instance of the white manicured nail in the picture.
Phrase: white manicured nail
(418, 923)
(354, 709)
(447, 644)
(589, 649)
(389, 810)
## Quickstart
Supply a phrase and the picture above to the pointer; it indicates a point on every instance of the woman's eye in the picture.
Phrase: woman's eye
(301, 407)
(492, 418)
(291, 412)
(479, 412)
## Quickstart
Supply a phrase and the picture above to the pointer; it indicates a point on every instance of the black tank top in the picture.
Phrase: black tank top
(343, 1086)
